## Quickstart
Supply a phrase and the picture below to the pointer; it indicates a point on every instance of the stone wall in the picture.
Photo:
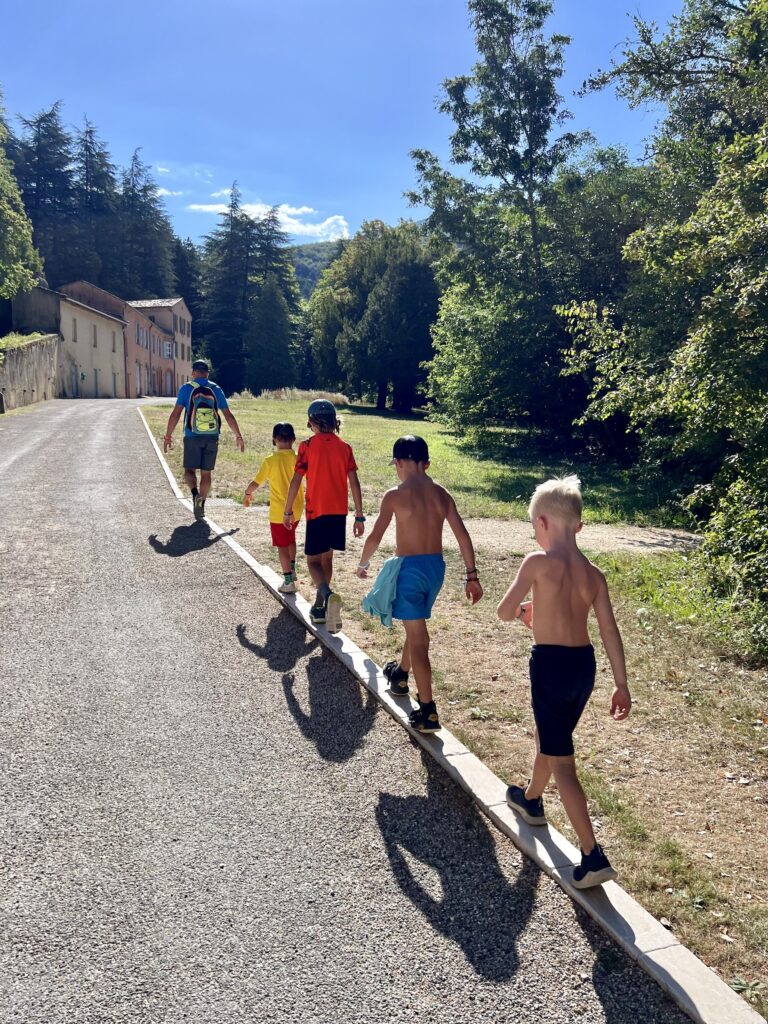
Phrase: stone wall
(29, 373)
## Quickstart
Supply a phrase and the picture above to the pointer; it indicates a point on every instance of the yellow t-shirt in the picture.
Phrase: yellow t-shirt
(277, 471)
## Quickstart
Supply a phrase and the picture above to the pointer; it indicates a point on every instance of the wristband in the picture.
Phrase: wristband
(364, 565)
(520, 612)
(359, 519)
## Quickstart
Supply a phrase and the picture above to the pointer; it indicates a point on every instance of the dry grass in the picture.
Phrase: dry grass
(292, 395)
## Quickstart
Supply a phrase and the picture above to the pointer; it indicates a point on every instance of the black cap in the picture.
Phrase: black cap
(410, 447)
(201, 366)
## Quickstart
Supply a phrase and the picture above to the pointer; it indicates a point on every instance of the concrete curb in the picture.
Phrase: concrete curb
(696, 989)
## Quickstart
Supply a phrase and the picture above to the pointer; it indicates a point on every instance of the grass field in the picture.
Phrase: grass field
(483, 486)
(680, 791)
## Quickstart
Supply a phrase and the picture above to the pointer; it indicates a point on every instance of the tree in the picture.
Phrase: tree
(269, 360)
(95, 199)
(146, 243)
(188, 269)
(20, 263)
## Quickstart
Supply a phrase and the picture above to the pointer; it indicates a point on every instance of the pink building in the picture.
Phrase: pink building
(172, 318)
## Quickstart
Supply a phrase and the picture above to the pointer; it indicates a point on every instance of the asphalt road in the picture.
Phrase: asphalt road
(204, 819)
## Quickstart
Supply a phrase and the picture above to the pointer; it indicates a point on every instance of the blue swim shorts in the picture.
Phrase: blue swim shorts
(418, 584)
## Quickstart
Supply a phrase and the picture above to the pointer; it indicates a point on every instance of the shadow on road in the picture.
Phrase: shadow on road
(341, 713)
(286, 642)
(475, 904)
(186, 539)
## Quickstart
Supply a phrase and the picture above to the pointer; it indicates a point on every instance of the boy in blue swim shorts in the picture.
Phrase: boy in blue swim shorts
(408, 584)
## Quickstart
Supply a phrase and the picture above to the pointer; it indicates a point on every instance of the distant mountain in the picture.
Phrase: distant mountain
(310, 261)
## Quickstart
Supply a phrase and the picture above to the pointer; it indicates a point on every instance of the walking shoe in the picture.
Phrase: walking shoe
(398, 679)
(333, 613)
(288, 588)
(424, 718)
(531, 811)
(198, 507)
(595, 868)
(317, 614)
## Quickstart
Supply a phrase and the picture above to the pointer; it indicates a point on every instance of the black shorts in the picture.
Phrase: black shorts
(200, 452)
(326, 533)
(562, 679)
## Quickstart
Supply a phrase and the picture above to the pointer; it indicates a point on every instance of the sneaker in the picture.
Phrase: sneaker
(333, 613)
(288, 588)
(198, 507)
(424, 718)
(398, 679)
(317, 614)
(595, 868)
(531, 811)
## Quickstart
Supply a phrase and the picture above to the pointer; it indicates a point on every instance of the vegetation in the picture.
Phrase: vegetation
(20, 263)
(310, 261)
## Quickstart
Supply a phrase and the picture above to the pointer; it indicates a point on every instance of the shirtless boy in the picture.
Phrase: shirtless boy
(564, 586)
(420, 507)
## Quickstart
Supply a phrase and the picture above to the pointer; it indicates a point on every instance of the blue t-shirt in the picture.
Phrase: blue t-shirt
(185, 392)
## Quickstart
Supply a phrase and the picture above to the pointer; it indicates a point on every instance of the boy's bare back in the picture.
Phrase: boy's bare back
(565, 586)
(420, 507)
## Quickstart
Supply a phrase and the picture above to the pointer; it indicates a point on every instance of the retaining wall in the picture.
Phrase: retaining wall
(29, 373)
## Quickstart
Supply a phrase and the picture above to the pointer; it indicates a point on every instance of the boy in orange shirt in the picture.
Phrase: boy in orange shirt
(328, 464)
(277, 471)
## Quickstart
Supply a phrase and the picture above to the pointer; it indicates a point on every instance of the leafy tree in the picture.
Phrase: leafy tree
(310, 261)
(269, 359)
(20, 263)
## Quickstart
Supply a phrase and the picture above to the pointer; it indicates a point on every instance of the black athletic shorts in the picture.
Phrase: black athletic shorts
(200, 452)
(562, 679)
(326, 533)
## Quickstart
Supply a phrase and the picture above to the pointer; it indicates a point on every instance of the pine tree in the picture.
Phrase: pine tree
(187, 269)
(269, 362)
(146, 244)
(93, 256)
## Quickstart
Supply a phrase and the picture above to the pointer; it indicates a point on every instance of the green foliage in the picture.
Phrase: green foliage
(371, 314)
(268, 356)
(20, 263)
(310, 261)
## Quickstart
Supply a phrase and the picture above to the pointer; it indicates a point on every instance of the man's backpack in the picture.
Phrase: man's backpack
(203, 418)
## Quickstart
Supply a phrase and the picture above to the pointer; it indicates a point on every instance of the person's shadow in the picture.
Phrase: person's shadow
(286, 642)
(188, 538)
(479, 908)
(340, 713)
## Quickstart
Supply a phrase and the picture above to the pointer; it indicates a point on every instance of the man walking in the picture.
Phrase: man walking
(201, 401)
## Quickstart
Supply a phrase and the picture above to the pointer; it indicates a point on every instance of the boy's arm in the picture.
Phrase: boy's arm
(357, 497)
(386, 511)
(249, 493)
(472, 586)
(293, 490)
(511, 607)
(621, 701)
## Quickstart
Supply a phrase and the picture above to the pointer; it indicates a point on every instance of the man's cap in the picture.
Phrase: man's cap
(410, 447)
(201, 365)
(321, 409)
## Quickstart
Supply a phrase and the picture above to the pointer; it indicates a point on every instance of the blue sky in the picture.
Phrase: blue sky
(312, 105)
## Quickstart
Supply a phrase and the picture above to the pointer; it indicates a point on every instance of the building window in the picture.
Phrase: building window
(114, 343)
(175, 322)
(74, 328)
(95, 334)
(167, 350)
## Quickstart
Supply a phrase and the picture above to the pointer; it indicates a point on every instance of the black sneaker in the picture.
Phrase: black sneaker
(595, 868)
(317, 614)
(398, 679)
(198, 507)
(531, 811)
(425, 719)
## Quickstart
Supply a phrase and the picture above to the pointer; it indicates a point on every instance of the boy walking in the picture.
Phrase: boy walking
(420, 507)
(328, 464)
(564, 586)
(277, 470)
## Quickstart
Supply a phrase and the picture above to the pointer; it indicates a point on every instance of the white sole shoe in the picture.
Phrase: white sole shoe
(333, 613)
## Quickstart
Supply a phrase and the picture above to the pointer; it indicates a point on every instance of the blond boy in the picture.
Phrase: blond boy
(564, 587)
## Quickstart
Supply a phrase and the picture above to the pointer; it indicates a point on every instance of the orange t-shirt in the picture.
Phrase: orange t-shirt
(325, 460)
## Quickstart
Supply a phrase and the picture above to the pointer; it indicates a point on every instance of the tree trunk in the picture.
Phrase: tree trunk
(381, 397)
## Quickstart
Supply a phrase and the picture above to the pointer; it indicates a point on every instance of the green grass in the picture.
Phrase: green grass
(16, 340)
(496, 481)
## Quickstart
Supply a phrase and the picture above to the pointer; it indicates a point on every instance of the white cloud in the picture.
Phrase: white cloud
(327, 230)
(221, 192)
(163, 170)
(168, 192)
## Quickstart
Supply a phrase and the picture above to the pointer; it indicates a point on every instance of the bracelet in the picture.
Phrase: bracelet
(520, 612)
(359, 519)
(364, 565)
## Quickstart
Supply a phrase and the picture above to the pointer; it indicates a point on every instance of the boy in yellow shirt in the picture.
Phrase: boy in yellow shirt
(277, 471)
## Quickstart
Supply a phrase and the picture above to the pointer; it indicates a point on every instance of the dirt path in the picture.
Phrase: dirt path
(501, 537)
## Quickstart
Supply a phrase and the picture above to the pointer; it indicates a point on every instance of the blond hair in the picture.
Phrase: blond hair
(559, 498)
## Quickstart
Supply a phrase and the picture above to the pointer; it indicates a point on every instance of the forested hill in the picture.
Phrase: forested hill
(310, 261)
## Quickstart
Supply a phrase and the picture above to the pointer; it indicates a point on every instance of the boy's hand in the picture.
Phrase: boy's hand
(361, 572)
(167, 442)
(621, 703)
(473, 590)
(288, 520)
(359, 528)
(526, 613)
(247, 497)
